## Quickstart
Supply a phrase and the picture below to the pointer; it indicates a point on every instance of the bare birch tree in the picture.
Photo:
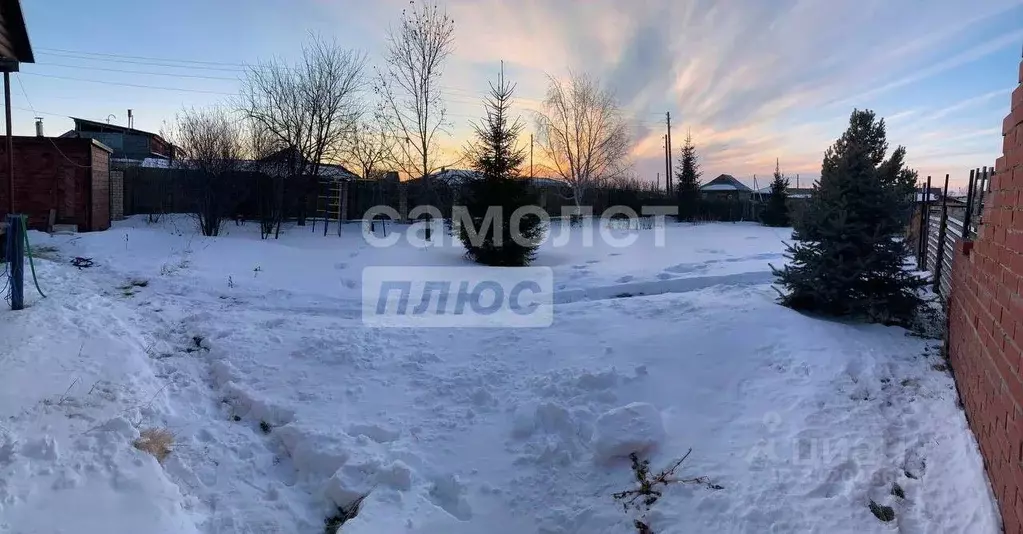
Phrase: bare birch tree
(310, 107)
(210, 145)
(582, 133)
(409, 86)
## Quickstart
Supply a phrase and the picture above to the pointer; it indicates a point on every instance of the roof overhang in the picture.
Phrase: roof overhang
(19, 48)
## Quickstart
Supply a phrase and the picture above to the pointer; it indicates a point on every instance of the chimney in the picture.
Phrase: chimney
(131, 120)
(39, 127)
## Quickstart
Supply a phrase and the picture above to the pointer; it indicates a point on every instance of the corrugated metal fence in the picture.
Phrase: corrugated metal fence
(944, 227)
(941, 244)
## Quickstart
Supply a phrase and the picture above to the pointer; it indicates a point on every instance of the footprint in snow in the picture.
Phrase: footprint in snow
(613, 254)
(591, 262)
(625, 279)
(665, 276)
(578, 267)
(340, 265)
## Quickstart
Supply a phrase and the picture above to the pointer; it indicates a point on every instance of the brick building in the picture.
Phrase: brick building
(986, 323)
(69, 176)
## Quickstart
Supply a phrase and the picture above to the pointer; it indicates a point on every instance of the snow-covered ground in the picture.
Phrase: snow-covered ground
(284, 405)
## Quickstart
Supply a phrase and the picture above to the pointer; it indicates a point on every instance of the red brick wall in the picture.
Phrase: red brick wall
(100, 218)
(986, 324)
(55, 173)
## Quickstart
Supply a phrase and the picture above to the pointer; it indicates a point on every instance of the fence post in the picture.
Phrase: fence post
(16, 260)
(942, 228)
(969, 207)
(980, 199)
(925, 208)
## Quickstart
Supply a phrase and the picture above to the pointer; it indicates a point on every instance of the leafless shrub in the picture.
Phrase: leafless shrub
(210, 144)
(650, 488)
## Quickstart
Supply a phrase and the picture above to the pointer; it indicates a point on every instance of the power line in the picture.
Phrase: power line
(176, 75)
(103, 54)
(180, 89)
(149, 63)
(457, 95)
(52, 142)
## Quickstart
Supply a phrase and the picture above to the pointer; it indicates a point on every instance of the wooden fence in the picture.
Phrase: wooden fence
(159, 190)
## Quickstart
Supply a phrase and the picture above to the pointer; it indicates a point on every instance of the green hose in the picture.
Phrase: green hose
(28, 250)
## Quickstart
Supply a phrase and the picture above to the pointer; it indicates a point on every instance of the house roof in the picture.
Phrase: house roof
(456, 176)
(725, 182)
(112, 127)
(14, 32)
(543, 181)
(326, 170)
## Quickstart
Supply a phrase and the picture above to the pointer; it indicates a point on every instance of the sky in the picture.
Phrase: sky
(753, 81)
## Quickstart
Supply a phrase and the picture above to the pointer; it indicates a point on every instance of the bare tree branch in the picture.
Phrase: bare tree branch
(409, 86)
(311, 107)
(369, 148)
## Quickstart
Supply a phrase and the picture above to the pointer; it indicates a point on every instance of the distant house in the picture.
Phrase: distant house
(127, 143)
(275, 164)
(455, 177)
(725, 187)
(278, 164)
(540, 181)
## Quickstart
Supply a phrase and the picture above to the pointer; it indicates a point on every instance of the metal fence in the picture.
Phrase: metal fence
(943, 226)
(942, 235)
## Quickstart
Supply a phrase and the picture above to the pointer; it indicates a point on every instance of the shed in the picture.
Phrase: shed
(69, 176)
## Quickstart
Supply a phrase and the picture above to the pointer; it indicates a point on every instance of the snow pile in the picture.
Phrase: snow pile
(635, 428)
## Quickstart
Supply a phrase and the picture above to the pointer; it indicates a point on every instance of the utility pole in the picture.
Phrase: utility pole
(667, 177)
(657, 183)
(10, 142)
(667, 167)
(531, 157)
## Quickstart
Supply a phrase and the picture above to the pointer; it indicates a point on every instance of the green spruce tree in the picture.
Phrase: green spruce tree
(499, 239)
(776, 212)
(849, 257)
(687, 178)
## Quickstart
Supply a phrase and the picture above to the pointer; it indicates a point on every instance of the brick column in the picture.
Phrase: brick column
(986, 323)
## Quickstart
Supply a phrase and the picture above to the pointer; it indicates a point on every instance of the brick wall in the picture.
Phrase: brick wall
(116, 195)
(99, 217)
(986, 323)
(57, 174)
